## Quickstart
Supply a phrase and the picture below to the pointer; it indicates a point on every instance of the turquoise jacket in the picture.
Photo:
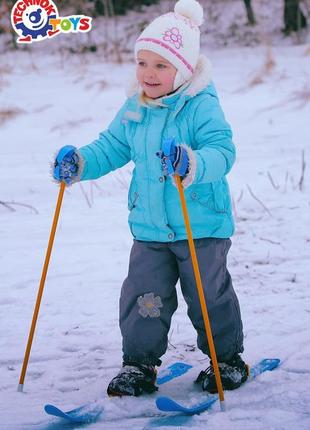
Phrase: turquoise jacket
(137, 133)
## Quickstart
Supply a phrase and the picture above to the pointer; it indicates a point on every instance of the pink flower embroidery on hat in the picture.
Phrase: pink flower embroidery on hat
(173, 36)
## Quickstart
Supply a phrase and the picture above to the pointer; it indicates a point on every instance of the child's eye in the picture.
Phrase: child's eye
(141, 63)
(161, 66)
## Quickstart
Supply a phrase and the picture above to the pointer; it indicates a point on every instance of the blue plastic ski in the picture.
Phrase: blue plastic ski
(84, 414)
(169, 405)
(172, 372)
(90, 412)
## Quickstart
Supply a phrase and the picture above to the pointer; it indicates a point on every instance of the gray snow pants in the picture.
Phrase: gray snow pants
(148, 298)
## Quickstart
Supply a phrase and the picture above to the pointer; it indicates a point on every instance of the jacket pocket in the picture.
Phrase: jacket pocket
(209, 202)
(220, 196)
(213, 198)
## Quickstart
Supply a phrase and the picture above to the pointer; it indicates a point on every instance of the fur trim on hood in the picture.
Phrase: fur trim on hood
(199, 80)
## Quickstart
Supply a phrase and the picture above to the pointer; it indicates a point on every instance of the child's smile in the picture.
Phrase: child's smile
(149, 84)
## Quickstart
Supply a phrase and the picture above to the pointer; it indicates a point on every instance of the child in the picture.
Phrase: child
(175, 99)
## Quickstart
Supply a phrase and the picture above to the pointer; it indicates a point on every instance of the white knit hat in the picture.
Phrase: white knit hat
(176, 37)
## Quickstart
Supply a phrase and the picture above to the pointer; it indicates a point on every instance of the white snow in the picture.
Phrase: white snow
(77, 346)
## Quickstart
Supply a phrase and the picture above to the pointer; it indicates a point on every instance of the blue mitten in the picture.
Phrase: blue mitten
(66, 165)
(174, 158)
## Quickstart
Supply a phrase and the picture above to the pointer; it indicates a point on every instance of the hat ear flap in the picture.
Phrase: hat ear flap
(178, 80)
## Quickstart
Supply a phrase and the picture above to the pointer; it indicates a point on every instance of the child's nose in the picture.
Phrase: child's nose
(150, 72)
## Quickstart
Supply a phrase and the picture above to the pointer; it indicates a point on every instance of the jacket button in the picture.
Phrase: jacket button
(170, 236)
(161, 179)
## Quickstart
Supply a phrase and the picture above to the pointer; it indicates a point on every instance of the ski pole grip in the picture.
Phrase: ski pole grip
(168, 150)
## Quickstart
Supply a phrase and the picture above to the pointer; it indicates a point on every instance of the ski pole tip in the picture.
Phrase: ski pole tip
(20, 388)
(222, 405)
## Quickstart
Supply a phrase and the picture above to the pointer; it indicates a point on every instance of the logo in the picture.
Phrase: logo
(36, 20)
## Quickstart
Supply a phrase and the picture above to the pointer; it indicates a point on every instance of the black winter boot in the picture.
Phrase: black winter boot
(233, 373)
(132, 380)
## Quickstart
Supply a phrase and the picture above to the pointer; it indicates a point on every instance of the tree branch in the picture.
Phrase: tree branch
(9, 205)
(303, 168)
(259, 201)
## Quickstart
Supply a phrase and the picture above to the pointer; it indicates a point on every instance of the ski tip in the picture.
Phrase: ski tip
(166, 404)
(53, 410)
(181, 366)
(272, 363)
(169, 405)
(81, 415)
(266, 364)
(173, 371)
(50, 408)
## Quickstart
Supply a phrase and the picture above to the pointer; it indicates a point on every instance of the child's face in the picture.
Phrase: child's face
(155, 74)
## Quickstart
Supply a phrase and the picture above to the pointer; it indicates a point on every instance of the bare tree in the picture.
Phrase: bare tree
(250, 12)
(294, 19)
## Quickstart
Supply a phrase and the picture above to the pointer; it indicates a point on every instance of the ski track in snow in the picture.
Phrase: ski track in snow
(77, 345)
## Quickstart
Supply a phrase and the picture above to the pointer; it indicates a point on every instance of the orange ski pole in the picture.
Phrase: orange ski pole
(200, 292)
(41, 287)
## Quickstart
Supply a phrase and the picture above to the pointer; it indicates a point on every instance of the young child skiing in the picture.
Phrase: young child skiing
(174, 99)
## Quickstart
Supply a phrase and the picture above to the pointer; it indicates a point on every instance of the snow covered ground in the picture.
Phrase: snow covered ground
(49, 101)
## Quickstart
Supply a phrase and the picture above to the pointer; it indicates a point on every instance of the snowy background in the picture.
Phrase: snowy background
(49, 100)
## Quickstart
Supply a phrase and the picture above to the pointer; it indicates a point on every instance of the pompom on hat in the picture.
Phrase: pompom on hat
(176, 37)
